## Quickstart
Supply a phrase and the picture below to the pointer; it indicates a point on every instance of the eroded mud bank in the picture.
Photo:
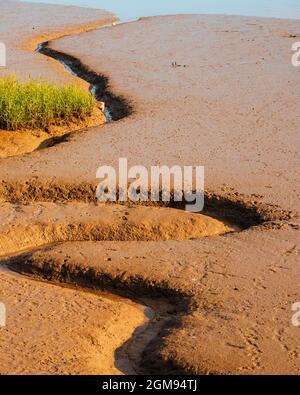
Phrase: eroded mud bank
(210, 294)
(118, 106)
(76, 217)
(41, 313)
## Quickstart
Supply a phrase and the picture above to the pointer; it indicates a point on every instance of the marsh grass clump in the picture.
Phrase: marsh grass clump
(39, 104)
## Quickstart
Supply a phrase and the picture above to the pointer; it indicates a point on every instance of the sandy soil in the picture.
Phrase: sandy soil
(35, 23)
(232, 106)
(52, 330)
(234, 112)
(237, 310)
(25, 227)
(18, 142)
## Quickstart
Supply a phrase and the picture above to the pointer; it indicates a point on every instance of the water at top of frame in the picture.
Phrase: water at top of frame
(128, 10)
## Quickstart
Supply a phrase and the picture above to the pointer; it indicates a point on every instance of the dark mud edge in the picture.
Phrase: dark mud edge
(118, 106)
(169, 304)
(242, 210)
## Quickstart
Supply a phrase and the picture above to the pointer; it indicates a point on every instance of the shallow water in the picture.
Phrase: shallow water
(128, 10)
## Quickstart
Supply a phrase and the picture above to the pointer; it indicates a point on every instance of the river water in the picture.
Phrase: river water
(128, 10)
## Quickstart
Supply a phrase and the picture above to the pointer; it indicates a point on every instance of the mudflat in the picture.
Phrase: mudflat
(231, 104)
(50, 329)
(55, 330)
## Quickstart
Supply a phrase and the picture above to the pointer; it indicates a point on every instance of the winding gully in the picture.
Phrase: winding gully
(156, 314)
(162, 306)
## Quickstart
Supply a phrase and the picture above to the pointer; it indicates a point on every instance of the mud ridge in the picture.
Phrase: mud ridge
(144, 349)
(118, 106)
(242, 210)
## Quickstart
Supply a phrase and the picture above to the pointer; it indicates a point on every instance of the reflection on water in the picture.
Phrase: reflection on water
(128, 10)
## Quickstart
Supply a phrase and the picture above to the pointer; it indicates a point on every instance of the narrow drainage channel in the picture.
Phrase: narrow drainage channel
(162, 306)
(127, 357)
(116, 107)
(160, 312)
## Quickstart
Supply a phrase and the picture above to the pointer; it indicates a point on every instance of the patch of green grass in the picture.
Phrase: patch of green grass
(37, 104)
